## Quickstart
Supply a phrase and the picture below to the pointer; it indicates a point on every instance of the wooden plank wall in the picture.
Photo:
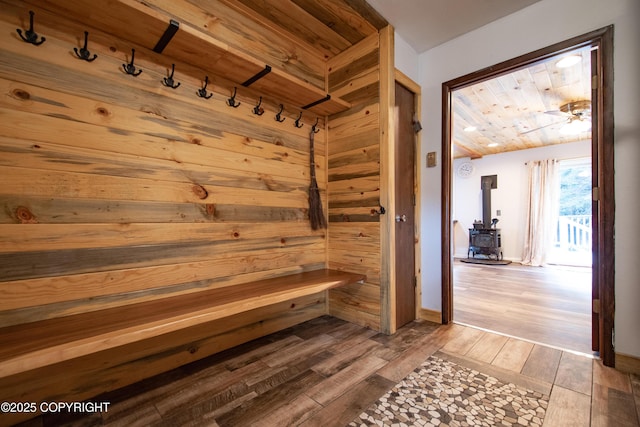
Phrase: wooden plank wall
(354, 182)
(117, 189)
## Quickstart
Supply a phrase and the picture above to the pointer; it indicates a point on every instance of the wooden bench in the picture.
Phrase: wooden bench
(38, 344)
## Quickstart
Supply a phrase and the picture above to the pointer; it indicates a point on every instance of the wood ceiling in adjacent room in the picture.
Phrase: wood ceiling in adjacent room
(520, 110)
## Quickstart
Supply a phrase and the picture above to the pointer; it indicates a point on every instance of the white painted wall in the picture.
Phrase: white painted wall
(406, 59)
(509, 197)
(540, 25)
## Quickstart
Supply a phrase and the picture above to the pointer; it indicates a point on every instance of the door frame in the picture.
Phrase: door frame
(602, 148)
(413, 87)
(387, 183)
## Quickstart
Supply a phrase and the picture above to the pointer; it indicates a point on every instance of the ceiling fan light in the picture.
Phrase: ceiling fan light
(575, 127)
(568, 61)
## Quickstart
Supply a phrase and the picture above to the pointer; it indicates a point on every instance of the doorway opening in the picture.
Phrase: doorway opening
(600, 46)
(548, 304)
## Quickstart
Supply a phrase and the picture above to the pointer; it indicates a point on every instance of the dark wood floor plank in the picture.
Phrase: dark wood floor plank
(290, 372)
(396, 344)
(351, 404)
(141, 398)
(289, 414)
(260, 352)
(301, 350)
(320, 325)
(635, 385)
(326, 372)
(143, 416)
(342, 359)
(403, 365)
(222, 388)
(336, 385)
(254, 409)
(348, 336)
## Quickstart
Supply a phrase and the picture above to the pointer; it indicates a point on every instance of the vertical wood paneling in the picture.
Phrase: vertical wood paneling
(354, 183)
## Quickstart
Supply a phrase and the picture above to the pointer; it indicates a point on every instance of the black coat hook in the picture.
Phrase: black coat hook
(314, 128)
(130, 68)
(202, 93)
(84, 53)
(30, 36)
(232, 101)
(297, 123)
(258, 110)
(279, 117)
(380, 211)
(168, 81)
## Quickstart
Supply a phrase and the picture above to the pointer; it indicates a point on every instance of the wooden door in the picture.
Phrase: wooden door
(405, 206)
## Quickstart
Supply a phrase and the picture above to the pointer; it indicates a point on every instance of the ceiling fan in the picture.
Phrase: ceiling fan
(577, 118)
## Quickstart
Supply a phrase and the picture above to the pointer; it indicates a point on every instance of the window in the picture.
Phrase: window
(573, 231)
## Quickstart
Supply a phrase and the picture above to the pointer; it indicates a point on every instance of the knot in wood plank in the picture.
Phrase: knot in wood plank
(200, 191)
(21, 94)
(102, 111)
(25, 216)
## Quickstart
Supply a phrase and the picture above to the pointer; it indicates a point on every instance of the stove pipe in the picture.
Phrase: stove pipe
(487, 183)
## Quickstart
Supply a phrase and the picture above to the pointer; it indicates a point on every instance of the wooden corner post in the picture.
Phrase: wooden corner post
(387, 181)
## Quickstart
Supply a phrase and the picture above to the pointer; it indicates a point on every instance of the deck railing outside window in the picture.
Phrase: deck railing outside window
(573, 233)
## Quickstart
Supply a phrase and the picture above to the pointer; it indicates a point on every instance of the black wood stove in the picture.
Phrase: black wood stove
(484, 238)
(485, 241)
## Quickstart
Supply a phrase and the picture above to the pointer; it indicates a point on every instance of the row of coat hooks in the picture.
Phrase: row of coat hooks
(30, 36)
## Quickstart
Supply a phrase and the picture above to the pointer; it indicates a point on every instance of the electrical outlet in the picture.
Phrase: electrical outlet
(498, 212)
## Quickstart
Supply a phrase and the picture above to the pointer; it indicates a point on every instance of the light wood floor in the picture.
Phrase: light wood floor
(326, 371)
(549, 305)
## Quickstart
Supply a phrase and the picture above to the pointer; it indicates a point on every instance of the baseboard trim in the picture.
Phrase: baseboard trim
(626, 363)
(430, 315)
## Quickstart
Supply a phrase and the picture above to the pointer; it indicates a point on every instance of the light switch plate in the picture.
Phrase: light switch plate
(431, 159)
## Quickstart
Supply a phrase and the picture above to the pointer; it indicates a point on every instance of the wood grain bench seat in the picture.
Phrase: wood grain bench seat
(42, 343)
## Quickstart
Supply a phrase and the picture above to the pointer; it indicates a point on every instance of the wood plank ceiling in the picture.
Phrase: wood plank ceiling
(516, 111)
(520, 110)
(327, 26)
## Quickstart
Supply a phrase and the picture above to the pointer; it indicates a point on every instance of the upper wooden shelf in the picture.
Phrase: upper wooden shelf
(145, 26)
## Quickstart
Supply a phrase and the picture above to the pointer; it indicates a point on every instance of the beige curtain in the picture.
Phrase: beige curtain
(542, 208)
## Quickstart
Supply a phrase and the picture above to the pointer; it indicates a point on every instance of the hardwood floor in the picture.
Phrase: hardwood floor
(325, 372)
(549, 305)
